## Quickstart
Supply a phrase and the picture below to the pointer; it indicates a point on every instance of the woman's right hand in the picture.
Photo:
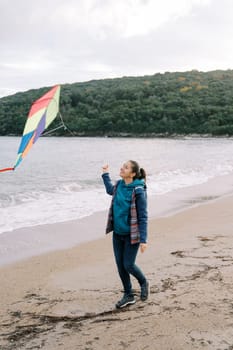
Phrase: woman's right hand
(105, 168)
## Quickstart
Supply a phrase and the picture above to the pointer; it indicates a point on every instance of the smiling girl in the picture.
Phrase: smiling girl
(128, 220)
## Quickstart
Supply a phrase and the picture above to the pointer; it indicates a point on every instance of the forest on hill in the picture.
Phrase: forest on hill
(180, 103)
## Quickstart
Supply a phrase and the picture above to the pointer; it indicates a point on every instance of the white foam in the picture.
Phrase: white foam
(44, 194)
(52, 208)
(71, 201)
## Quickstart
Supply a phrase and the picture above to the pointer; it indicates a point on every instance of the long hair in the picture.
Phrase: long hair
(140, 173)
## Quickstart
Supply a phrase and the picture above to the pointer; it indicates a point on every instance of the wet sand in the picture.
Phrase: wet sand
(65, 299)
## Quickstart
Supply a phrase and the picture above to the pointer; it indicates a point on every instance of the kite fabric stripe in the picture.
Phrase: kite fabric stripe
(43, 111)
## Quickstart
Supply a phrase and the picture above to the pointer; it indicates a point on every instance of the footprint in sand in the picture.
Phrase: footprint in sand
(179, 253)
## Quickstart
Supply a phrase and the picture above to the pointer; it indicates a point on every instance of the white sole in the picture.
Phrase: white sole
(128, 303)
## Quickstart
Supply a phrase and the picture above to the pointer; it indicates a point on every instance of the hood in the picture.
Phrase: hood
(136, 183)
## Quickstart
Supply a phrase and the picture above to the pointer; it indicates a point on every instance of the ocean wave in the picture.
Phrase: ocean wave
(39, 194)
(52, 208)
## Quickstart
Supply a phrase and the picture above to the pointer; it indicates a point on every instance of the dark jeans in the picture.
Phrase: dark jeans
(125, 256)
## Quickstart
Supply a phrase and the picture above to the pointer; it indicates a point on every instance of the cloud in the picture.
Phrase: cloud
(124, 18)
(49, 42)
(200, 40)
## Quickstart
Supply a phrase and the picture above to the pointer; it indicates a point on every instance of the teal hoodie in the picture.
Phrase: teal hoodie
(121, 206)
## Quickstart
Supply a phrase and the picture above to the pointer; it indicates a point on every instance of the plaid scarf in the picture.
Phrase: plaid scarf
(134, 230)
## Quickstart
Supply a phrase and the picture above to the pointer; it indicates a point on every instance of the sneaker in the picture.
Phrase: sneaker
(126, 300)
(145, 291)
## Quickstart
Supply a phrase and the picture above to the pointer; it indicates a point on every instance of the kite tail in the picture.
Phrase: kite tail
(6, 169)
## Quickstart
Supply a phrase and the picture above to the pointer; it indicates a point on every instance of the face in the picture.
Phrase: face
(126, 171)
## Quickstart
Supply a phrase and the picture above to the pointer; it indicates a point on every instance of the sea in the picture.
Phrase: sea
(60, 179)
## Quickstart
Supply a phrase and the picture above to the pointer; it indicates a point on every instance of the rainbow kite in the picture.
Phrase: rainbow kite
(43, 111)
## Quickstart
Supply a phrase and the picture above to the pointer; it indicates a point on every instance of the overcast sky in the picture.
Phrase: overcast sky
(46, 42)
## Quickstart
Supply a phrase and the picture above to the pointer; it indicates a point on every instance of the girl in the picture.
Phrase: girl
(128, 220)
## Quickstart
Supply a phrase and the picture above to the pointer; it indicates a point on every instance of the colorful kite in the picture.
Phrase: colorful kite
(43, 111)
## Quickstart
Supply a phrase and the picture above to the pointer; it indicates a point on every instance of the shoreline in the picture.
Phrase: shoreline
(149, 136)
(65, 299)
(23, 243)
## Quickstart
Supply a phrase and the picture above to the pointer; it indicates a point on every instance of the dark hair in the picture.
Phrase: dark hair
(140, 172)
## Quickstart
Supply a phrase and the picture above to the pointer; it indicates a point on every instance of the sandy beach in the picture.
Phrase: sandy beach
(65, 299)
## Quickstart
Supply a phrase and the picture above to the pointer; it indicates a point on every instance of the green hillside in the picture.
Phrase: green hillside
(162, 104)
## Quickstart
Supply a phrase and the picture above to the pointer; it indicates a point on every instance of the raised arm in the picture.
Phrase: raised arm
(107, 181)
